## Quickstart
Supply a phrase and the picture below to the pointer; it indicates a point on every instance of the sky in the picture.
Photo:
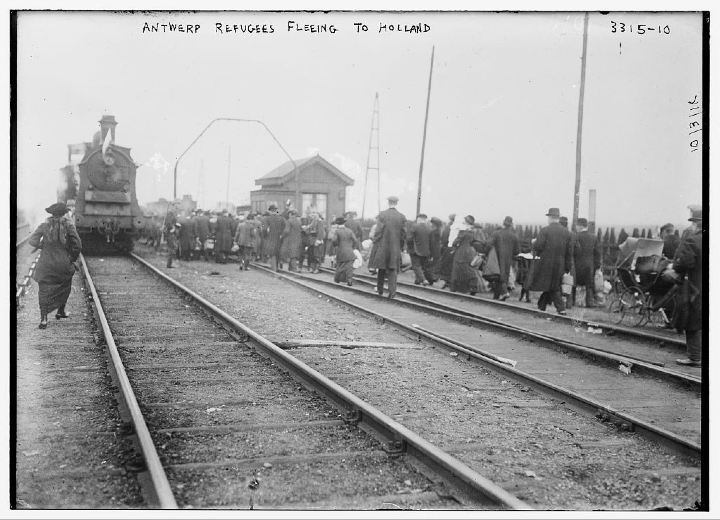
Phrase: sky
(502, 122)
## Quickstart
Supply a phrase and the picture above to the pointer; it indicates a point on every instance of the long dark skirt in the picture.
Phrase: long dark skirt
(316, 253)
(464, 278)
(445, 266)
(53, 296)
(344, 271)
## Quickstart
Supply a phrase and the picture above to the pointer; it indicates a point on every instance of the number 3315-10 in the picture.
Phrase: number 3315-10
(640, 28)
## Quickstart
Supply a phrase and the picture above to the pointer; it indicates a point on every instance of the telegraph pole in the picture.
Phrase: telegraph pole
(578, 146)
(422, 153)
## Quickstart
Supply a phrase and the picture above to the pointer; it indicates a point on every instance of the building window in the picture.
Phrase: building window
(315, 201)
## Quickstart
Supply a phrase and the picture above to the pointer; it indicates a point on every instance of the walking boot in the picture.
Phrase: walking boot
(60, 314)
(43, 322)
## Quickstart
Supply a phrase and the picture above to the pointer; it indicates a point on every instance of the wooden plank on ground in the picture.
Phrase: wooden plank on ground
(299, 343)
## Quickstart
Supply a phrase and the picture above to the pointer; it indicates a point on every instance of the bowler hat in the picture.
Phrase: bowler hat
(57, 210)
(553, 212)
(470, 219)
(340, 221)
(392, 198)
(507, 221)
(272, 207)
(582, 222)
(695, 215)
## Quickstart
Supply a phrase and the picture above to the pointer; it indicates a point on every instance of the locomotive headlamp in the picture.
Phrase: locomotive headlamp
(109, 159)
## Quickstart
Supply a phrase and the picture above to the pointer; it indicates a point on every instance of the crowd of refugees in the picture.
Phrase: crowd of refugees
(562, 265)
(281, 239)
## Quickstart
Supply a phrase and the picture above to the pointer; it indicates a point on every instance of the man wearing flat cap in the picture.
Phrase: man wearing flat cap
(418, 244)
(507, 247)
(553, 247)
(687, 272)
(587, 261)
(61, 246)
(354, 225)
(389, 240)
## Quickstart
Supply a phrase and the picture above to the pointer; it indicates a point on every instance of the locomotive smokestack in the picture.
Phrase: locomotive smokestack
(107, 123)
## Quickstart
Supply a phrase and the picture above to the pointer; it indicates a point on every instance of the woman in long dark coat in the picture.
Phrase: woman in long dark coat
(345, 243)
(444, 270)
(464, 276)
(434, 265)
(61, 246)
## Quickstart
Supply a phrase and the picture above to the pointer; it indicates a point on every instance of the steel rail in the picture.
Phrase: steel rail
(640, 366)
(470, 483)
(22, 288)
(580, 401)
(164, 494)
(626, 331)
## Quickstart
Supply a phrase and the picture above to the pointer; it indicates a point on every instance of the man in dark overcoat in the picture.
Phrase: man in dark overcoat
(687, 270)
(587, 261)
(354, 225)
(418, 244)
(272, 240)
(202, 230)
(223, 237)
(389, 239)
(507, 247)
(553, 246)
(186, 237)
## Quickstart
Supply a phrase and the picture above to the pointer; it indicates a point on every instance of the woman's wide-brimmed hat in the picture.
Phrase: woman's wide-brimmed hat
(57, 210)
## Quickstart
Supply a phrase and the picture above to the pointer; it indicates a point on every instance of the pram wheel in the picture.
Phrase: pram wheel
(629, 309)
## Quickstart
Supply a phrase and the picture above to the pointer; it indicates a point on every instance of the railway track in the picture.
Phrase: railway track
(599, 374)
(501, 427)
(499, 405)
(221, 425)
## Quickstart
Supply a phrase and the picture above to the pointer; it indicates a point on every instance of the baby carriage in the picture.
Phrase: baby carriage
(643, 297)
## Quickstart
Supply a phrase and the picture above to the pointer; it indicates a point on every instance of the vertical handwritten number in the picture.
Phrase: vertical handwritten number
(641, 28)
(614, 26)
(666, 29)
(622, 26)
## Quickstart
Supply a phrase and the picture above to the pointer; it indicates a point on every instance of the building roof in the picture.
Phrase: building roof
(286, 171)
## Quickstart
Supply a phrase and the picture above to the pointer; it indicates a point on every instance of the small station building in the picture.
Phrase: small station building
(322, 186)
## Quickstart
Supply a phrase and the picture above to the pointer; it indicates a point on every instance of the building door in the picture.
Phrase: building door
(314, 201)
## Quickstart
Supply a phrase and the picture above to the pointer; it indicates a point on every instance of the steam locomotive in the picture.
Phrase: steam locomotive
(102, 187)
